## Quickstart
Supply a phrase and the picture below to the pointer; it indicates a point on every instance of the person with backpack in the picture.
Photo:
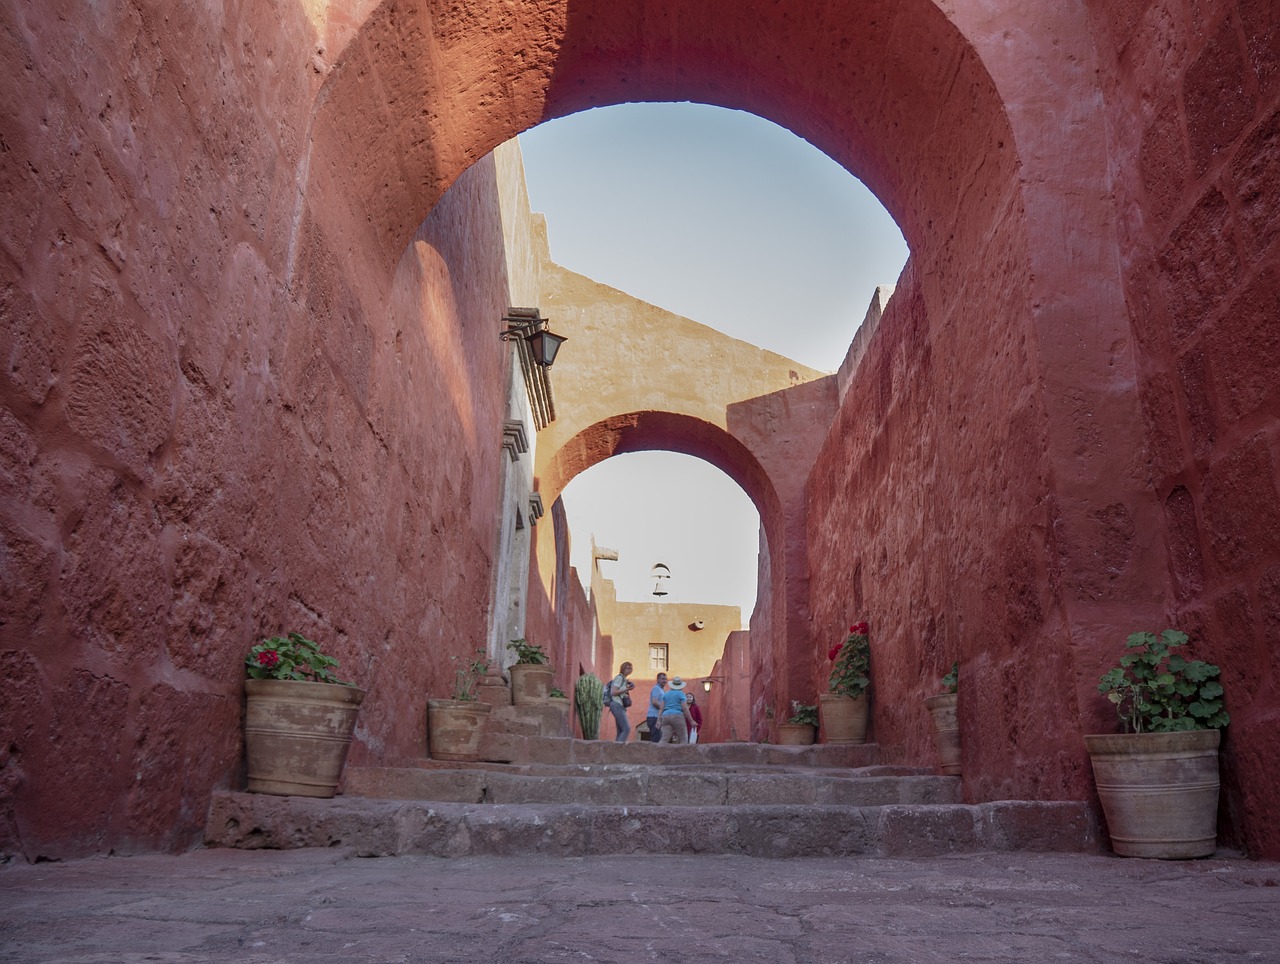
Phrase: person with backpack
(675, 713)
(617, 697)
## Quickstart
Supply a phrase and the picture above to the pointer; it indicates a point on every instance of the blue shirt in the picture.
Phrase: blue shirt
(673, 702)
(655, 694)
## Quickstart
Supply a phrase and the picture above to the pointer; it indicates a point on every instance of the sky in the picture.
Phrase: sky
(738, 224)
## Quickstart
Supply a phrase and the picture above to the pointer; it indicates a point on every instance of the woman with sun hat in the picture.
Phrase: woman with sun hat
(675, 713)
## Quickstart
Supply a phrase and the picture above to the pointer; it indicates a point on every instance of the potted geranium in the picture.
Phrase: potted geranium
(454, 726)
(531, 674)
(299, 718)
(1158, 782)
(946, 729)
(844, 708)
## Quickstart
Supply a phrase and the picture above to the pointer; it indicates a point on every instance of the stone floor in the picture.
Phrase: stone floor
(317, 905)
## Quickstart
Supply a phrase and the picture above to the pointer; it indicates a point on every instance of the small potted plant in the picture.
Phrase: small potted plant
(801, 728)
(845, 708)
(299, 718)
(454, 726)
(946, 729)
(531, 674)
(1158, 782)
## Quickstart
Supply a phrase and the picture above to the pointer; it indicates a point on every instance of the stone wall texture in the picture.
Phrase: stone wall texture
(249, 379)
(215, 426)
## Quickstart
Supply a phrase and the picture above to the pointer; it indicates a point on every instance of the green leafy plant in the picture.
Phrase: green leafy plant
(588, 698)
(292, 657)
(803, 713)
(527, 652)
(951, 682)
(1156, 690)
(851, 672)
(557, 693)
(466, 677)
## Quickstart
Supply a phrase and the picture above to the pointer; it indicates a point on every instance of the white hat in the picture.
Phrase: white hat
(676, 683)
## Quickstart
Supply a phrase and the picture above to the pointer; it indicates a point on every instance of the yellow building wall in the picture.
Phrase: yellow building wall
(694, 633)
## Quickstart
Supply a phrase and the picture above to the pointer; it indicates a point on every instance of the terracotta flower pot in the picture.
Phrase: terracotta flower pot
(796, 734)
(531, 682)
(946, 731)
(297, 734)
(454, 728)
(1159, 791)
(844, 718)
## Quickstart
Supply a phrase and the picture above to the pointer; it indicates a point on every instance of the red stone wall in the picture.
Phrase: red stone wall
(559, 616)
(215, 424)
(1193, 104)
(938, 509)
(929, 516)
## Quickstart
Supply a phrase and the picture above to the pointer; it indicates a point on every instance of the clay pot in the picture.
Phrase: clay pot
(946, 731)
(563, 708)
(454, 728)
(530, 682)
(844, 718)
(1159, 791)
(296, 735)
(796, 734)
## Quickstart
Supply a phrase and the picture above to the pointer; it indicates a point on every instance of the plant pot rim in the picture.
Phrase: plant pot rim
(940, 699)
(339, 692)
(450, 703)
(1189, 739)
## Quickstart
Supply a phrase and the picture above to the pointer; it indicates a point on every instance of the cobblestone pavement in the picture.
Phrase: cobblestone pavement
(330, 905)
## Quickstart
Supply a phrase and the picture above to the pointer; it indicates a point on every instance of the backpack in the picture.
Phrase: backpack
(608, 691)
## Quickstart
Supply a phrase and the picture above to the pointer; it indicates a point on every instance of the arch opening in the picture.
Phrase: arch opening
(658, 507)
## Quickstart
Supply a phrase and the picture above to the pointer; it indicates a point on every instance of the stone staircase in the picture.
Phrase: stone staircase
(565, 797)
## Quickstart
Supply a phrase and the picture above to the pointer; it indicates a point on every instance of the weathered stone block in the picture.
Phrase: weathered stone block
(909, 831)
(779, 832)
(409, 783)
(1199, 263)
(1041, 826)
(686, 789)
(1218, 94)
(1244, 345)
(1242, 509)
(767, 788)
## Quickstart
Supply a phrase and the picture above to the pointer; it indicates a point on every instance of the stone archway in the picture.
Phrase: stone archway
(928, 104)
(747, 411)
(226, 411)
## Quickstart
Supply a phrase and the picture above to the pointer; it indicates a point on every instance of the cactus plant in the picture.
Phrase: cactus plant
(588, 696)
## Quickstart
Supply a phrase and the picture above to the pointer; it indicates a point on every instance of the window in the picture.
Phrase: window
(658, 657)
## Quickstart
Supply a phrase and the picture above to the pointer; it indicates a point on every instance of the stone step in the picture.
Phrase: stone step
(499, 747)
(650, 785)
(386, 827)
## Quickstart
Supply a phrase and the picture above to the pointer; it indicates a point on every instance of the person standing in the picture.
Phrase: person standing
(655, 709)
(619, 687)
(695, 714)
(675, 713)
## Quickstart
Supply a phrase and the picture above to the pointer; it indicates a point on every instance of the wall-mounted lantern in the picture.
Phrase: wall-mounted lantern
(528, 325)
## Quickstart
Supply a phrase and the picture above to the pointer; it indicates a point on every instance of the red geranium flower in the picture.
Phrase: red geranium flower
(268, 659)
(835, 651)
(859, 629)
